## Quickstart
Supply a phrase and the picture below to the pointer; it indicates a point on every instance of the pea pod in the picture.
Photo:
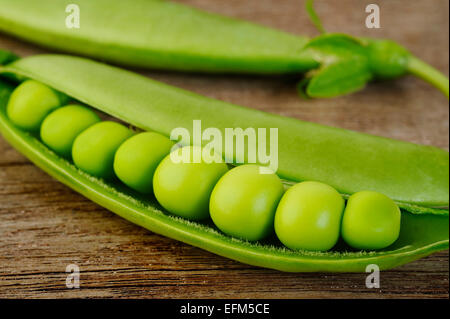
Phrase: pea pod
(414, 176)
(166, 35)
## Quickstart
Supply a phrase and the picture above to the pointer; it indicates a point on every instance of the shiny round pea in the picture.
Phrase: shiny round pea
(93, 150)
(309, 216)
(244, 201)
(62, 126)
(184, 187)
(136, 159)
(371, 221)
(30, 103)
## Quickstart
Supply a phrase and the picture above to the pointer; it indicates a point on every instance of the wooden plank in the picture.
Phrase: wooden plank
(44, 226)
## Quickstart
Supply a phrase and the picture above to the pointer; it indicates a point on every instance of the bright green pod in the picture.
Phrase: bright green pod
(244, 201)
(309, 217)
(93, 150)
(183, 184)
(414, 176)
(346, 160)
(160, 34)
(136, 159)
(30, 103)
(371, 221)
(62, 126)
(170, 35)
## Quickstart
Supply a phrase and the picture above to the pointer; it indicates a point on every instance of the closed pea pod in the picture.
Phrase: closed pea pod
(244, 201)
(30, 103)
(62, 126)
(93, 150)
(183, 184)
(309, 216)
(340, 63)
(136, 159)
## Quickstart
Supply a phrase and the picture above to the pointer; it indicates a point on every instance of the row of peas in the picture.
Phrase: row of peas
(242, 202)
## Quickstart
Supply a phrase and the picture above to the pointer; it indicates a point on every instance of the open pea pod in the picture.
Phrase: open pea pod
(167, 35)
(415, 176)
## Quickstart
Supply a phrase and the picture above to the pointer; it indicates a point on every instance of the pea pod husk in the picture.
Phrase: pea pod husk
(157, 34)
(346, 160)
(410, 174)
(166, 35)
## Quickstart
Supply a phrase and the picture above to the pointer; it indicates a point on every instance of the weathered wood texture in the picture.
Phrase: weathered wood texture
(44, 226)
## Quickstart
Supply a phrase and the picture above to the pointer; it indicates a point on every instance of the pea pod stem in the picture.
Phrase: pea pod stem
(429, 74)
(309, 5)
(393, 56)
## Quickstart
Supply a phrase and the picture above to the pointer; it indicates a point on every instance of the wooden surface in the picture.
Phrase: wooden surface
(44, 226)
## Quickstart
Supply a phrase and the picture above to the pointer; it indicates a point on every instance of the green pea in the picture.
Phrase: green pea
(184, 187)
(93, 150)
(136, 159)
(371, 221)
(244, 201)
(62, 126)
(30, 103)
(309, 216)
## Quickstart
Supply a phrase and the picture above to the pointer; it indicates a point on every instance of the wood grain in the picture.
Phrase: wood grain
(44, 226)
